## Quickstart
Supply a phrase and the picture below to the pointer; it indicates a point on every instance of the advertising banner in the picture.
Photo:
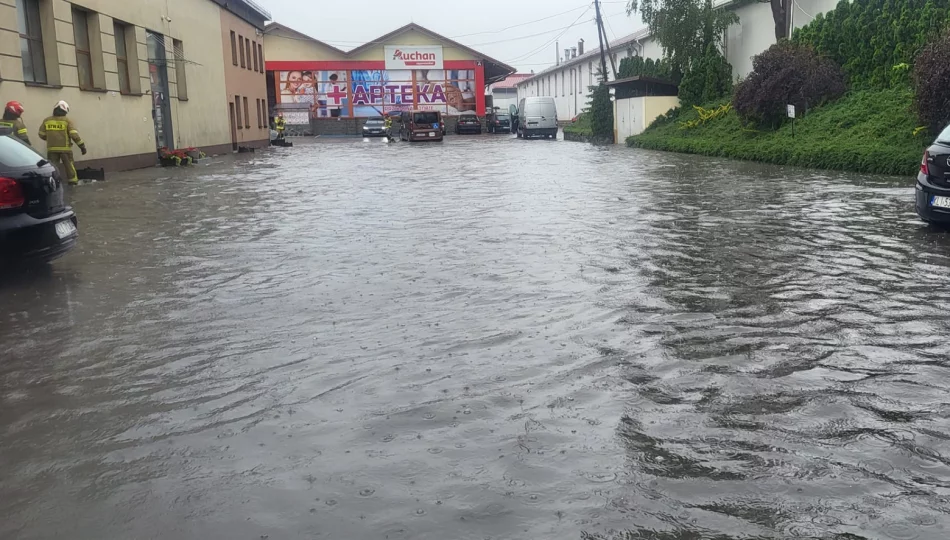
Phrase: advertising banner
(365, 93)
(414, 57)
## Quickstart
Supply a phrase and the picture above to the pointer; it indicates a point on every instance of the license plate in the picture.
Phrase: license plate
(432, 134)
(940, 202)
(65, 229)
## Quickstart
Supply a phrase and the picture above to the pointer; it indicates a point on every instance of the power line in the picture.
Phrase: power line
(549, 42)
(517, 25)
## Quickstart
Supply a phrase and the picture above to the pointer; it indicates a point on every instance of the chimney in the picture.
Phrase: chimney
(580, 47)
(557, 52)
(573, 52)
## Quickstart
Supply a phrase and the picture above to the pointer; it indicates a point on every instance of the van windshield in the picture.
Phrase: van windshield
(425, 118)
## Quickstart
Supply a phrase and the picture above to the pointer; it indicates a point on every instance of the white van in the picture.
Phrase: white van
(537, 117)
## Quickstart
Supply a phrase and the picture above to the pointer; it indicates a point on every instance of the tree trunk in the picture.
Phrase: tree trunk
(780, 16)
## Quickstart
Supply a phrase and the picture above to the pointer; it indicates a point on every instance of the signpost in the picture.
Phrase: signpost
(790, 110)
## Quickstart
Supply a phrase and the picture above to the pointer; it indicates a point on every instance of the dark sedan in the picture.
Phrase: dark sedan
(500, 123)
(933, 181)
(374, 127)
(35, 222)
(468, 123)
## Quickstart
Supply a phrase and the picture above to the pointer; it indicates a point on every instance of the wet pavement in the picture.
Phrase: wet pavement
(481, 339)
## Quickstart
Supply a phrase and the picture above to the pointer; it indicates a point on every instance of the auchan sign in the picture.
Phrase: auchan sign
(413, 57)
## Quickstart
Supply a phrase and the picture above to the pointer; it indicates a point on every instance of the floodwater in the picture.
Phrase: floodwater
(485, 338)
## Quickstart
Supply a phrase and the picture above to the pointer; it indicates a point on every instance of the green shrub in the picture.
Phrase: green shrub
(932, 81)
(581, 126)
(869, 37)
(871, 131)
(602, 113)
(637, 66)
(708, 78)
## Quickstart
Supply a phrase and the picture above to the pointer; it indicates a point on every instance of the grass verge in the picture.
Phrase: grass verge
(870, 131)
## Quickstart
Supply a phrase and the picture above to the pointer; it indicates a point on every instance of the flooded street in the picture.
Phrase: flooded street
(481, 339)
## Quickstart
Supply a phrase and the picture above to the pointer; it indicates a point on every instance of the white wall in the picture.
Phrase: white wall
(633, 115)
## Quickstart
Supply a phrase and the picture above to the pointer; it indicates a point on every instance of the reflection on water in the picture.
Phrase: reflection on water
(357, 340)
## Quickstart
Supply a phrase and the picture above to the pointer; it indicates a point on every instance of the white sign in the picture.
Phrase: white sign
(414, 57)
(790, 109)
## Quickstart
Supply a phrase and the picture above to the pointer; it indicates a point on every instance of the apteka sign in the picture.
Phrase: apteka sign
(414, 57)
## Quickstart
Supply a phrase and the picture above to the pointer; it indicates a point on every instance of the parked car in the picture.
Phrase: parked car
(421, 126)
(35, 222)
(468, 122)
(537, 118)
(499, 123)
(374, 127)
(933, 181)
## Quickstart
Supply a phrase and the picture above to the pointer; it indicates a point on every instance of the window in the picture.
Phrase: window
(121, 58)
(590, 68)
(83, 52)
(247, 116)
(247, 43)
(572, 81)
(180, 76)
(234, 48)
(554, 89)
(237, 108)
(260, 54)
(241, 46)
(563, 81)
(31, 40)
(258, 103)
(254, 54)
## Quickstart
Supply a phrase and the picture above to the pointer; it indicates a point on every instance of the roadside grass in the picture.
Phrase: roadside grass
(871, 131)
(581, 126)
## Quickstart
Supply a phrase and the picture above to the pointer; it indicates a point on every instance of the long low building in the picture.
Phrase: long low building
(323, 90)
(569, 82)
(138, 76)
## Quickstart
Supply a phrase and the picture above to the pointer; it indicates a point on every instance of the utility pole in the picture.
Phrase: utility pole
(600, 36)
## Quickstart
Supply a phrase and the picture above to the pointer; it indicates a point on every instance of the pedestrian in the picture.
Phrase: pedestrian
(12, 119)
(59, 133)
(280, 125)
(389, 128)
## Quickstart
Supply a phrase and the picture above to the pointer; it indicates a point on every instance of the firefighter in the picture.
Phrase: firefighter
(12, 119)
(59, 133)
(388, 123)
(280, 125)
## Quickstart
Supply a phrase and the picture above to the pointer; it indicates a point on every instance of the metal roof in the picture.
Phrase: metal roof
(592, 54)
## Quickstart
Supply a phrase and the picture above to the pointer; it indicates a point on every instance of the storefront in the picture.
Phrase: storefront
(411, 68)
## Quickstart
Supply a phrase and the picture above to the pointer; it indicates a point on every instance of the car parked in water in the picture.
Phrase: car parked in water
(499, 123)
(933, 181)
(537, 118)
(468, 122)
(374, 127)
(421, 126)
(36, 225)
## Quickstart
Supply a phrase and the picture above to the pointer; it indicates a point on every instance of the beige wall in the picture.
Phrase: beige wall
(244, 82)
(411, 37)
(116, 125)
(288, 47)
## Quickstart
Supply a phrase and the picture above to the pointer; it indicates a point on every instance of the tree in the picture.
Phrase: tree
(709, 79)
(684, 28)
(780, 17)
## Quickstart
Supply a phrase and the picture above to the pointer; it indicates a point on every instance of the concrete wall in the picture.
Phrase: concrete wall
(245, 82)
(632, 116)
(283, 45)
(118, 128)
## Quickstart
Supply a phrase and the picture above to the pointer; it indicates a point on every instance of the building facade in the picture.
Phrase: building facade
(570, 81)
(138, 76)
(245, 81)
(324, 90)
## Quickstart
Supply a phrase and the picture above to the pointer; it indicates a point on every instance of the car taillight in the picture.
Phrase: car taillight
(924, 168)
(11, 194)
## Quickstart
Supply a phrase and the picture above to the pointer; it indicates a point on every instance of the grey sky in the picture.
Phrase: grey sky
(349, 23)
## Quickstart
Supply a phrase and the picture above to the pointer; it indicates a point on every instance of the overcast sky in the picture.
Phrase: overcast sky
(480, 24)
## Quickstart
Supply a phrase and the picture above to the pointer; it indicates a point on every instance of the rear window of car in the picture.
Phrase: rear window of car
(13, 153)
(502, 116)
(425, 118)
(944, 137)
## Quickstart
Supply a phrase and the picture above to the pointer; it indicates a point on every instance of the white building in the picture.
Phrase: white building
(569, 82)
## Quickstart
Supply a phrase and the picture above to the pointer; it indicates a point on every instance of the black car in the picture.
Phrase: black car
(468, 123)
(374, 127)
(36, 225)
(499, 123)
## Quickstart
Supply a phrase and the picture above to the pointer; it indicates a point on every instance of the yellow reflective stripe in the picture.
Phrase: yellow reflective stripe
(6, 124)
(22, 131)
(59, 149)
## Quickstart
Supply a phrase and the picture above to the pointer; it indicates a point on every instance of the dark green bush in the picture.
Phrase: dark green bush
(708, 79)
(868, 38)
(932, 81)
(601, 113)
(786, 74)
(637, 66)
